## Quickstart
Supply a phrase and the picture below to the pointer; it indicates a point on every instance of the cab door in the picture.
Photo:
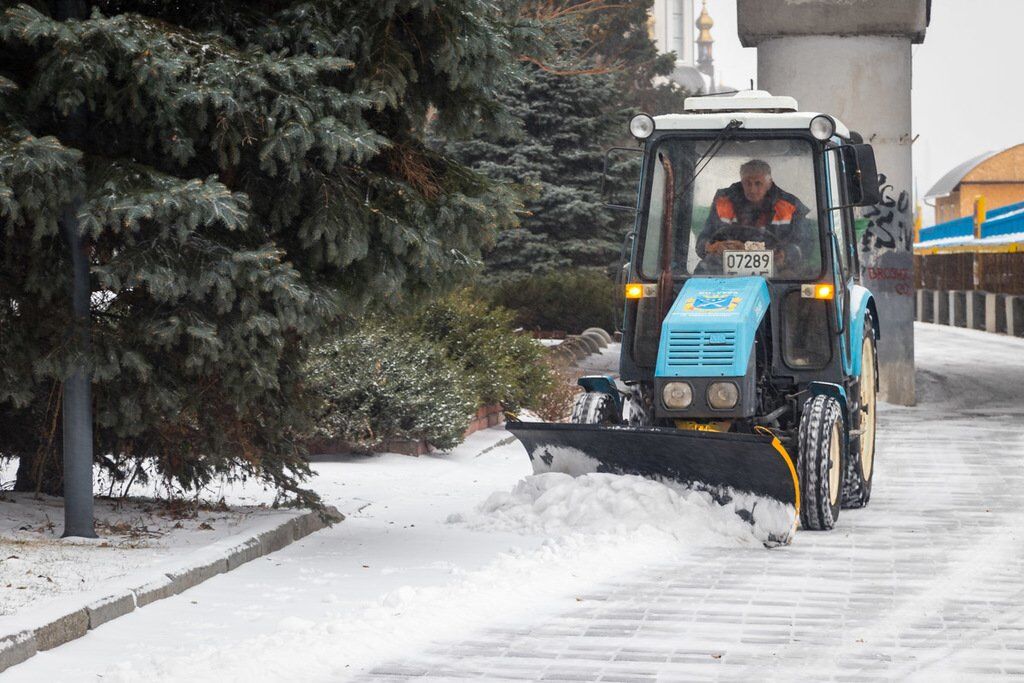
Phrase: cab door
(841, 226)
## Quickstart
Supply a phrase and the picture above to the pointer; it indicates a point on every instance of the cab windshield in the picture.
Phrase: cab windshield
(752, 210)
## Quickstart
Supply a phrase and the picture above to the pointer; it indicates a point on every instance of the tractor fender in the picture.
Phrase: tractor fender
(603, 384)
(862, 304)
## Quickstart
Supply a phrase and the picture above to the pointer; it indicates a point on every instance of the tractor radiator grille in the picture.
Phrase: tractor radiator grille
(701, 349)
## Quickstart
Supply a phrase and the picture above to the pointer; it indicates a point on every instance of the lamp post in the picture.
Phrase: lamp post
(77, 399)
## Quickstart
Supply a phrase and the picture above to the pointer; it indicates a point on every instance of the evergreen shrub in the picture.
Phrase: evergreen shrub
(502, 366)
(382, 383)
(569, 301)
(422, 375)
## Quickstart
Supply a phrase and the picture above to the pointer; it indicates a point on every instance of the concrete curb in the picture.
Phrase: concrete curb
(68, 625)
(16, 648)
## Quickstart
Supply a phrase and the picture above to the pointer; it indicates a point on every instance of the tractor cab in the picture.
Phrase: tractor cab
(746, 186)
(748, 361)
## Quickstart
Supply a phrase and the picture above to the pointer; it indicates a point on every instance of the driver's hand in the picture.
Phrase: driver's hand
(725, 245)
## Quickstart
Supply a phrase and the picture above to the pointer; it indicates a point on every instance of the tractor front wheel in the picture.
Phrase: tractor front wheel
(594, 408)
(820, 463)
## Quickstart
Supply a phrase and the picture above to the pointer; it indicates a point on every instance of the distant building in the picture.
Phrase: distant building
(672, 27)
(996, 176)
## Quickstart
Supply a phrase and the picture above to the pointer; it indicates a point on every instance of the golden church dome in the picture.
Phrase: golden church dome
(704, 23)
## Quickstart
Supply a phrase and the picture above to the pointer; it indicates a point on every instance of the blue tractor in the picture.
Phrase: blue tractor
(748, 366)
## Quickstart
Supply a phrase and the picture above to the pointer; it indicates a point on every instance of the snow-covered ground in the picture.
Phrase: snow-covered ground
(432, 546)
(453, 566)
(135, 537)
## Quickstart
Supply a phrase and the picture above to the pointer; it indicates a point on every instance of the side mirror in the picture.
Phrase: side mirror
(861, 175)
(620, 178)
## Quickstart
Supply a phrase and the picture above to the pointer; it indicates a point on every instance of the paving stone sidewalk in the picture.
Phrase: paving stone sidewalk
(927, 583)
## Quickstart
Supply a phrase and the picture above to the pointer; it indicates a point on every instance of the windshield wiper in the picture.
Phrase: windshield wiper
(713, 149)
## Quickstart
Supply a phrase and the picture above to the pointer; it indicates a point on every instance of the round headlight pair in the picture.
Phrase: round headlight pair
(641, 126)
(721, 395)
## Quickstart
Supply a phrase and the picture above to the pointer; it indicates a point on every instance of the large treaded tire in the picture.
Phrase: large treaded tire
(820, 441)
(594, 408)
(860, 466)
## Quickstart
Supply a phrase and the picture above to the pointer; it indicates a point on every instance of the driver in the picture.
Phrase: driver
(754, 209)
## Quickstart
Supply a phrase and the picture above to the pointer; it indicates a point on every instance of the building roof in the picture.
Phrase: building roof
(948, 182)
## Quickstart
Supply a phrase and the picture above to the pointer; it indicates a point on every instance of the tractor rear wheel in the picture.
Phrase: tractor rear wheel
(594, 408)
(861, 464)
(820, 463)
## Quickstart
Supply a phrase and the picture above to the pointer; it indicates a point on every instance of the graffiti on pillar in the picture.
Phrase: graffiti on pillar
(887, 226)
(887, 231)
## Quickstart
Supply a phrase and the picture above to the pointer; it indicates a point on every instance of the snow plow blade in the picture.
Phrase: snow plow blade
(730, 467)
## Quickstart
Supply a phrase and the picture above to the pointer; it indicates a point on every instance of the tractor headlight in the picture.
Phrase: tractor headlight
(722, 395)
(823, 127)
(677, 395)
(641, 126)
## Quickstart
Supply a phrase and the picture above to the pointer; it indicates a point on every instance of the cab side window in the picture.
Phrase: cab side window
(837, 217)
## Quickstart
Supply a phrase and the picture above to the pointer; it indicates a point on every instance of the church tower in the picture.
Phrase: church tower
(705, 61)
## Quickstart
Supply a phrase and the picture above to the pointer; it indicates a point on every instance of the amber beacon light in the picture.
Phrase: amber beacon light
(639, 290)
(818, 291)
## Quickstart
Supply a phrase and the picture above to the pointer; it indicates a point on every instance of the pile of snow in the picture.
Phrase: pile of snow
(557, 505)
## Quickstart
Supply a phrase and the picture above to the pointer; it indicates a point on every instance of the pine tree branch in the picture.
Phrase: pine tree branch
(556, 71)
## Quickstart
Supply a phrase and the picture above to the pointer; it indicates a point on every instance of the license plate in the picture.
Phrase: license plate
(748, 263)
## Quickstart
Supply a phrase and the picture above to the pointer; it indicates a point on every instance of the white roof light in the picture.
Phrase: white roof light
(744, 100)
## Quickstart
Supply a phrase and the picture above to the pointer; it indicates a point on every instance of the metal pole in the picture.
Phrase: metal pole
(77, 402)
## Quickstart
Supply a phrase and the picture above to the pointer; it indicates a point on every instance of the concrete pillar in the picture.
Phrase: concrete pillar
(940, 305)
(995, 313)
(851, 59)
(975, 302)
(1015, 315)
(925, 306)
(957, 308)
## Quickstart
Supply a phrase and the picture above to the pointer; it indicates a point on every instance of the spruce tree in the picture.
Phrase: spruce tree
(568, 108)
(555, 155)
(252, 175)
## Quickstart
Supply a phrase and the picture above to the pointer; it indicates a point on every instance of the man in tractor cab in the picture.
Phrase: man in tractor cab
(754, 210)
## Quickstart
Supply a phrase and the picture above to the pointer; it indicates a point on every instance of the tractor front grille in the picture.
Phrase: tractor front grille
(705, 348)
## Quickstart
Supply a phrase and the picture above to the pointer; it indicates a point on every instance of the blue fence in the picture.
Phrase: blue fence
(1004, 221)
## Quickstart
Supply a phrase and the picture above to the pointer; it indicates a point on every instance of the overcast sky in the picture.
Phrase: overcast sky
(967, 98)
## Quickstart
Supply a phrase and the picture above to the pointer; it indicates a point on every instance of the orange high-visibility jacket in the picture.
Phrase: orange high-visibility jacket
(780, 214)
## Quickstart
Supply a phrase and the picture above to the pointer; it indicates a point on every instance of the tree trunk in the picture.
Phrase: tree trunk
(41, 471)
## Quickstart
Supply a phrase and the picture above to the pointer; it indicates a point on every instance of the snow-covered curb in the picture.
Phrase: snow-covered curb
(23, 635)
